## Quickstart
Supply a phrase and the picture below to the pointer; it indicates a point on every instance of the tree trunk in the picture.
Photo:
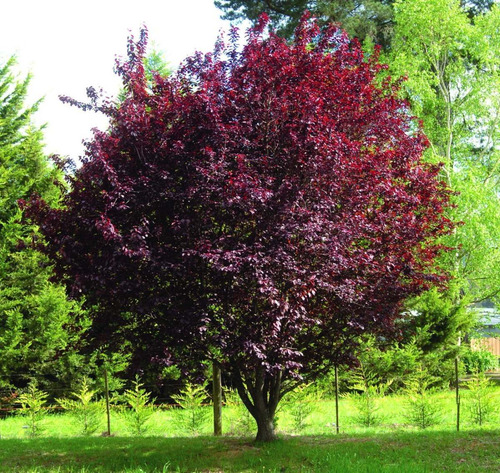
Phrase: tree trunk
(265, 428)
(260, 394)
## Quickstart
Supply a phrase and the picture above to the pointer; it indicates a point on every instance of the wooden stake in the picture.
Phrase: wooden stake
(457, 393)
(457, 385)
(106, 389)
(337, 399)
(217, 399)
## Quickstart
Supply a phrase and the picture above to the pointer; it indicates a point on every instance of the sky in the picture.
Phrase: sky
(68, 46)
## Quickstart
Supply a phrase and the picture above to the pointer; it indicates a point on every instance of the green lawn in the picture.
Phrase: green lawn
(406, 452)
(393, 445)
(390, 411)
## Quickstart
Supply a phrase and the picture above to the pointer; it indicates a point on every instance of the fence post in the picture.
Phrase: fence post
(217, 398)
(457, 393)
(106, 389)
(337, 399)
(457, 384)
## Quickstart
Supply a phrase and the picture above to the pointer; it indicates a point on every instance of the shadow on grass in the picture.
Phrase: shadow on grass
(398, 452)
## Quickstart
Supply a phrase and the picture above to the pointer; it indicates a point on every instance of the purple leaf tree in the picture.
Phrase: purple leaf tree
(260, 208)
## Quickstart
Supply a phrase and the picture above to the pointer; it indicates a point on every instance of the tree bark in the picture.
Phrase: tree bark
(265, 427)
(261, 395)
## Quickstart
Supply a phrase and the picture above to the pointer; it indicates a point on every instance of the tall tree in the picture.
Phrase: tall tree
(33, 311)
(260, 209)
(452, 64)
(363, 19)
(370, 20)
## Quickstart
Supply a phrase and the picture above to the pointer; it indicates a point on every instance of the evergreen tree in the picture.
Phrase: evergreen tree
(33, 311)
(363, 19)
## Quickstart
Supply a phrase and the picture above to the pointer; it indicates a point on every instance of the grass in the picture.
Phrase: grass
(408, 452)
(237, 422)
(390, 446)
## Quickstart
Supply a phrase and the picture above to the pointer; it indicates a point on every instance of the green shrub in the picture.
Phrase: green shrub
(395, 363)
(325, 385)
(7, 402)
(389, 365)
(366, 407)
(478, 361)
(241, 421)
(300, 403)
(33, 407)
(422, 410)
(87, 412)
(192, 415)
(368, 389)
(479, 398)
(141, 408)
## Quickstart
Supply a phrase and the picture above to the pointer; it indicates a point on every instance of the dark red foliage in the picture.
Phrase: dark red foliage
(260, 208)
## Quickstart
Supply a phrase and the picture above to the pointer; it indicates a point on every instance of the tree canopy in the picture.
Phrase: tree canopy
(260, 209)
(452, 65)
(363, 19)
(371, 20)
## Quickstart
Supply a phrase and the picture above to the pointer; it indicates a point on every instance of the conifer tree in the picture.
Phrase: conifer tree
(33, 311)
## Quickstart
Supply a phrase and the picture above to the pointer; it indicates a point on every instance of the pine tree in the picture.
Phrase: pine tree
(33, 311)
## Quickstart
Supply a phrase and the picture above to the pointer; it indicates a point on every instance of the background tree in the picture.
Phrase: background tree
(363, 19)
(33, 311)
(367, 20)
(453, 84)
(260, 209)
